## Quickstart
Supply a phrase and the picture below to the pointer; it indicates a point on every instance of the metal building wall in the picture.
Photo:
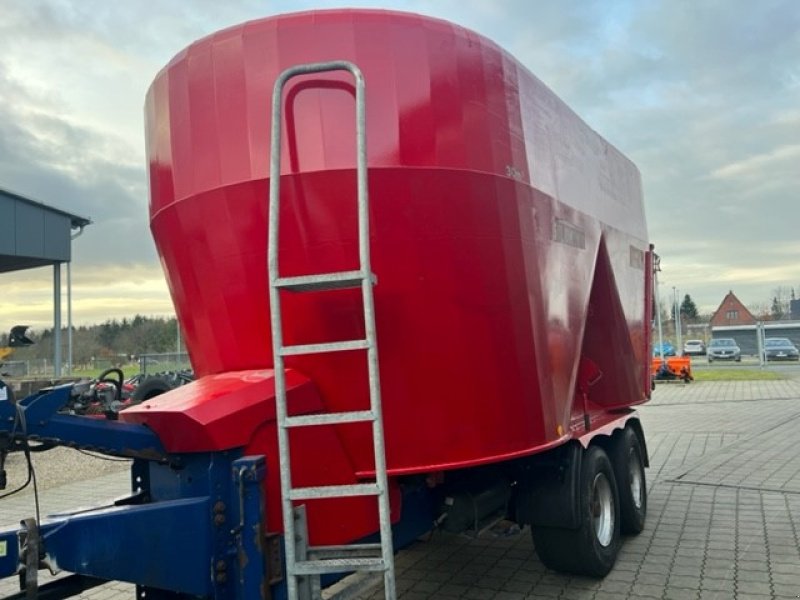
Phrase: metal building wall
(32, 235)
(747, 339)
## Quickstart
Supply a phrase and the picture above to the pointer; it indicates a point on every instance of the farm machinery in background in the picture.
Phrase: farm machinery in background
(666, 366)
(487, 240)
(110, 391)
(17, 338)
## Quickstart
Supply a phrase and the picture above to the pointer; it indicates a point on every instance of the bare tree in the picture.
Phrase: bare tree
(761, 311)
(781, 296)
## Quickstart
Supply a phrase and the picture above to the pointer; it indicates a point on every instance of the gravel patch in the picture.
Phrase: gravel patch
(58, 466)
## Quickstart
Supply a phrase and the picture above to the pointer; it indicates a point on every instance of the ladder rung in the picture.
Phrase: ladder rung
(321, 282)
(327, 347)
(330, 418)
(335, 491)
(340, 551)
(338, 565)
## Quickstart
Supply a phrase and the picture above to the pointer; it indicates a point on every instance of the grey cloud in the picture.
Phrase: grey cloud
(702, 96)
(49, 154)
(49, 159)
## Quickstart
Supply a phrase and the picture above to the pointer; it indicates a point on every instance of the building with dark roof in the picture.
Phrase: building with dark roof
(794, 309)
(732, 312)
(32, 235)
(733, 320)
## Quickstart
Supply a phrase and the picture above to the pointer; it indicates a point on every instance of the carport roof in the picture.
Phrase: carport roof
(33, 234)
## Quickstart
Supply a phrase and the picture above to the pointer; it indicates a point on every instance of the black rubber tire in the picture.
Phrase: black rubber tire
(631, 516)
(150, 388)
(579, 551)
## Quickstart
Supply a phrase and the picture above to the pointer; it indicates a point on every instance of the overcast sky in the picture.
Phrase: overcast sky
(704, 96)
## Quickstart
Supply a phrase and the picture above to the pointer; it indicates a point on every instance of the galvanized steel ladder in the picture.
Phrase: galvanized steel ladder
(304, 564)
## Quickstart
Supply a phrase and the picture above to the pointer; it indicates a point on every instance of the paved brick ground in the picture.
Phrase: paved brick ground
(723, 523)
(724, 512)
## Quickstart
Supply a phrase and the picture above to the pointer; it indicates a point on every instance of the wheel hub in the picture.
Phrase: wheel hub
(635, 477)
(601, 507)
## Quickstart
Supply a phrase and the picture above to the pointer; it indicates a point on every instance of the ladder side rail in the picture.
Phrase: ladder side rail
(384, 513)
(273, 230)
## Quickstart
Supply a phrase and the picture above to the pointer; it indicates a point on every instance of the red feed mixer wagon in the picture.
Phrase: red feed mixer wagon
(507, 240)
(409, 277)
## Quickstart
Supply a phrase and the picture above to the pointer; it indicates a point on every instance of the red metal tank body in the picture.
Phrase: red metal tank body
(507, 237)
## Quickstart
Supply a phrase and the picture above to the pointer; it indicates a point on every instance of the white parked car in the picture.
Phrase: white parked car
(694, 348)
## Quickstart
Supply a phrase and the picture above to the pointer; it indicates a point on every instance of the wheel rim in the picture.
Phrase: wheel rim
(635, 477)
(602, 507)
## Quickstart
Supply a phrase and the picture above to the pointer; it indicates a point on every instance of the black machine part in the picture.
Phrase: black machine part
(30, 557)
(155, 385)
(467, 509)
(18, 337)
(3, 476)
(540, 490)
(547, 492)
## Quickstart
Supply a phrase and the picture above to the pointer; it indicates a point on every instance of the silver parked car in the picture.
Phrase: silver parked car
(724, 349)
(694, 348)
(780, 349)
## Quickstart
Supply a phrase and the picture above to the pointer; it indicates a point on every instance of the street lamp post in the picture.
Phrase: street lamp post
(678, 332)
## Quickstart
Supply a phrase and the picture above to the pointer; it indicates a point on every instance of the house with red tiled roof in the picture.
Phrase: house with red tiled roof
(732, 312)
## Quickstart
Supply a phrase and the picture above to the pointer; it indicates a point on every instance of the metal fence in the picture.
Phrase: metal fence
(42, 368)
(38, 367)
(747, 336)
(166, 361)
(15, 368)
(146, 363)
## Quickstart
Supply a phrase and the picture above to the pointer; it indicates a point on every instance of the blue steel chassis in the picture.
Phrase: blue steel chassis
(193, 526)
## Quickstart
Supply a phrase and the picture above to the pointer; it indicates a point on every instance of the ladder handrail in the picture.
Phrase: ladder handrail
(367, 281)
(361, 155)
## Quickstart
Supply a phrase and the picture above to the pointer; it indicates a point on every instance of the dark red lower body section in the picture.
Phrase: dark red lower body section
(484, 305)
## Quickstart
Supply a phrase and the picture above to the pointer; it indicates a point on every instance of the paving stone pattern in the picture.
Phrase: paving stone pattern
(766, 462)
(723, 514)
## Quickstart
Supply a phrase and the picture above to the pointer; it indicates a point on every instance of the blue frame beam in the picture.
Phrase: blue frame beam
(109, 544)
(37, 418)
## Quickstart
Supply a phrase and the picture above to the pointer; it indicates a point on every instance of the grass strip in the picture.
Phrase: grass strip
(735, 375)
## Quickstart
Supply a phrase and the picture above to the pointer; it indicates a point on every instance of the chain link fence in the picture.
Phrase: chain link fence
(751, 338)
(15, 368)
(39, 367)
(165, 361)
(42, 368)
